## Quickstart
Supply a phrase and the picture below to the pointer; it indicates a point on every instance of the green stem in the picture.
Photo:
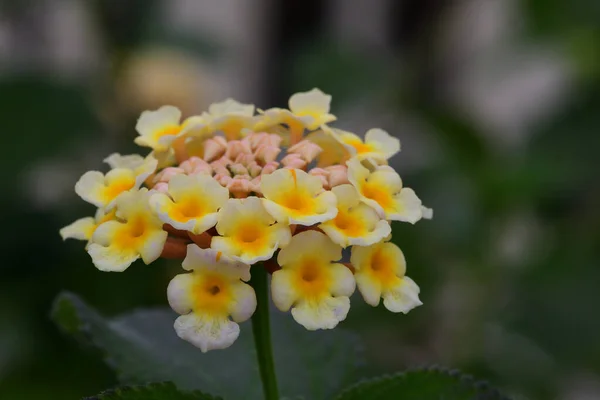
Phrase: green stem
(262, 333)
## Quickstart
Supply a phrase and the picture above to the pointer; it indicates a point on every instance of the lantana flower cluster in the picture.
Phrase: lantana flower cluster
(232, 190)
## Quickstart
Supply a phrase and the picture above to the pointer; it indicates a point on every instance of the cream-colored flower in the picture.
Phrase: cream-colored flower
(84, 228)
(231, 118)
(355, 223)
(293, 196)
(248, 233)
(334, 152)
(159, 128)
(314, 104)
(101, 190)
(192, 203)
(136, 232)
(381, 188)
(310, 283)
(208, 296)
(379, 273)
(272, 119)
(378, 144)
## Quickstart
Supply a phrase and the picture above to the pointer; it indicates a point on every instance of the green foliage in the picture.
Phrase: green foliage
(422, 384)
(143, 347)
(152, 391)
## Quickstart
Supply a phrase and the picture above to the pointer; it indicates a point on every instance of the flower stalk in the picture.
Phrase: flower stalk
(261, 330)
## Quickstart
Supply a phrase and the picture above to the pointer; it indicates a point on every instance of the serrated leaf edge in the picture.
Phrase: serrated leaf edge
(464, 379)
(153, 385)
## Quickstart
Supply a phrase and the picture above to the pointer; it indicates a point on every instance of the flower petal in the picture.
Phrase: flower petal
(179, 293)
(293, 196)
(402, 297)
(82, 229)
(283, 292)
(313, 242)
(325, 314)
(205, 332)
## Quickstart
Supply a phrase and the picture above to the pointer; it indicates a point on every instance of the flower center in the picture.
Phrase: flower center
(297, 200)
(137, 227)
(313, 279)
(130, 235)
(382, 267)
(348, 223)
(214, 290)
(359, 146)
(211, 294)
(374, 192)
(188, 208)
(118, 187)
(168, 131)
(250, 233)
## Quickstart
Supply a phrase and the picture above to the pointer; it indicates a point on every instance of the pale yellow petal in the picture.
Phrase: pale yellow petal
(152, 247)
(198, 259)
(325, 314)
(309, 242)
(369, 288)
(205, 332)
(90, 188)
(244, 303)
(283, 292)
(402, 297)
(180, 293)
(386, 144)
(82, 229)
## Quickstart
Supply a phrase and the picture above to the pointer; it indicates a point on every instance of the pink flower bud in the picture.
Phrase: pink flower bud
(255, 184)
(266, 153)
(254, 169)
(306, 149)
(244, 159)
(221, 162)
(263, 138)
(196, 165)
(338, 175)
(166, 174)
(269, 167)
(322, 174)
(239, 187)
(238, 169)
(214, 148)
(162, 187)
(223, 179)
(236, 147)
(293, 161)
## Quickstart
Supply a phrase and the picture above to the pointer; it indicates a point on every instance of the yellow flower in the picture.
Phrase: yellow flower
(379, 272)
(292, 196)
(136, 233)
(248, 233)
(355, 223)
(129, 172)
(381, 188)
(159, 128)
(231, 117)
(314, 104)
(84, 228)
(207, 296)
(334, 152)
(192, 203)
(270, 120)
(378, 144)
(316, 288)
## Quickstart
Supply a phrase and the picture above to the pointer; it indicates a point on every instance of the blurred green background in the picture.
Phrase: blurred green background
(497, 105)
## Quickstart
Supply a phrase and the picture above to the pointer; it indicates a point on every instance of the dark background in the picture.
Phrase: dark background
(497, 105)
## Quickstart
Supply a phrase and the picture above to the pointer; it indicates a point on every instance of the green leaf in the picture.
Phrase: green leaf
(152, 391)
(422, 384)
(143, 347)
